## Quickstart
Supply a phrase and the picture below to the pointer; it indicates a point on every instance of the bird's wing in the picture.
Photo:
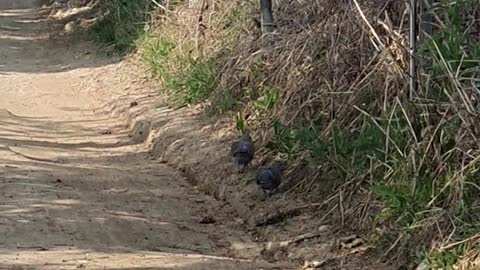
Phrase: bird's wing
(234, 148)
(264, 178)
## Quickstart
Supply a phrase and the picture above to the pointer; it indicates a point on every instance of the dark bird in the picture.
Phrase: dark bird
(269, 177)
(243, 151)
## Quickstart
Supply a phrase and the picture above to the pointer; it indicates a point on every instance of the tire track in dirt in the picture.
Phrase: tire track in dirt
(78, 186)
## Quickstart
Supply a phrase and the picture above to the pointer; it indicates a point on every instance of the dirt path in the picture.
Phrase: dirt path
(78, 189)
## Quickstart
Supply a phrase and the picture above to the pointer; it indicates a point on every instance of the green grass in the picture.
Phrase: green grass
(343, 146)
(195, 82)
(451, 50)
(156, 53)
(190, 80)
(408, 186)
(446, 259)
(451, 58)
(124, 23)
(269, 97)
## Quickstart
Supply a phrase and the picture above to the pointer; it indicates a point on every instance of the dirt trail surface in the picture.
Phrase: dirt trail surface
(79, 189)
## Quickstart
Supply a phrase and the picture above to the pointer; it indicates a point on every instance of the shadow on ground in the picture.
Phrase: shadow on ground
(76, 195)
(191, 264)
(29, 44)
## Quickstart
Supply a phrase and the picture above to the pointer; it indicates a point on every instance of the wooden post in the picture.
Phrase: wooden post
(266, 15)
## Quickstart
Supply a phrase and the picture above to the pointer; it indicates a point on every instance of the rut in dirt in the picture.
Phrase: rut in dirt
(78, 187)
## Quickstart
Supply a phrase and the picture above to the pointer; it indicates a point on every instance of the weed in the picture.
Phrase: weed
(240, 123)
(269, 97)
(294, 141)
(190, 80)
(344, 155)
(195, 82)
(446, 259)
(156, 54)
(123, 24)
(398, 178)
(451, 50)
(401, 202)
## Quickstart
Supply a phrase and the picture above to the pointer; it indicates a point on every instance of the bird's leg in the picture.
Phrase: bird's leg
(237, 165)
(265, 195)
(245, 168)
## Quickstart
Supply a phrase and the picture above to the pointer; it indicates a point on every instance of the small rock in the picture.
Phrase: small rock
(274, 246)
(313, 264)
(208, 219)
(324, 228)
(239, 221)
(70, 27)
(133, 104)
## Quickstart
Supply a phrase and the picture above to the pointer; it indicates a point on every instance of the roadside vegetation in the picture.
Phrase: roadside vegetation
(328, 91)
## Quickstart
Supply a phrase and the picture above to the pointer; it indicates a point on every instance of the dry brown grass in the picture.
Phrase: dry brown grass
(340, 65)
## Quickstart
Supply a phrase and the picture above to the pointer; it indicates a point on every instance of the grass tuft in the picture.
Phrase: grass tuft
(123, 23)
